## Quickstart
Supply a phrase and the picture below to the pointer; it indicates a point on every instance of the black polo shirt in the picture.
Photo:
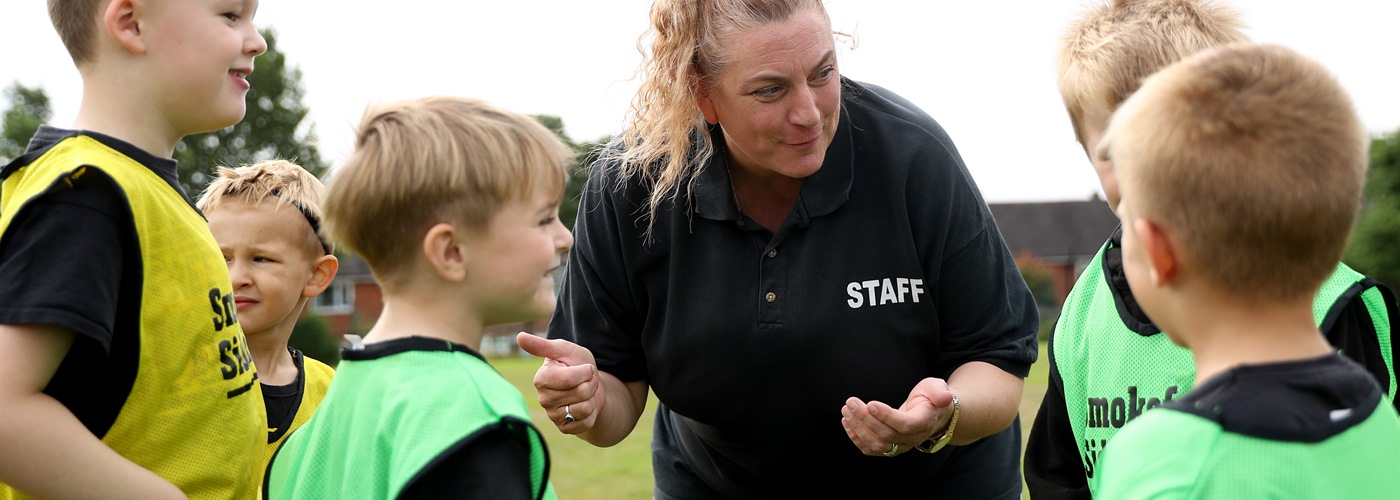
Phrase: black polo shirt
(889, 269)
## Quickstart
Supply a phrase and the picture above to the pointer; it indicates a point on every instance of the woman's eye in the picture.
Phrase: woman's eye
(768, 92)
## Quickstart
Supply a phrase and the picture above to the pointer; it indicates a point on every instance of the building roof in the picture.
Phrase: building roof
(1061, 231)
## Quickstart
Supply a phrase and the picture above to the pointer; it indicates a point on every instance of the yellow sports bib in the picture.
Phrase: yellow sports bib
(195, 412)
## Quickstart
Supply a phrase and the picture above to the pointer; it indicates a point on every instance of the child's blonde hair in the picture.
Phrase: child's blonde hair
(1254, 158)
(436, 159)
(285, 181)
(1107, 52)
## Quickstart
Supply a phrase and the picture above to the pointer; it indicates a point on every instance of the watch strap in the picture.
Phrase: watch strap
(939, 440)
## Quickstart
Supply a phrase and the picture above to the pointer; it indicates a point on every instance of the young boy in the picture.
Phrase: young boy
(123, 372)
(453, 204)
(1108, 361)
(266, 218)
(1237, 163)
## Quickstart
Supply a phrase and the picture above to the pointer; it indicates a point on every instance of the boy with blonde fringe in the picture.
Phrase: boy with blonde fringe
(266, 218)
(1109, 362)
(123, 371)
(1241, 171)
(454, 205)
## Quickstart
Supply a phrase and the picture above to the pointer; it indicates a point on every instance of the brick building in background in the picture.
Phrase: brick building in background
(353, 302)
(1062, 236)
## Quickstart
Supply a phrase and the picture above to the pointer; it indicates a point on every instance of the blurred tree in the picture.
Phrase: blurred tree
(28, 108)
(585, 153)
(312, 336)
(272, 127)
(1374, 248)
(578, 176)
(1039, 279)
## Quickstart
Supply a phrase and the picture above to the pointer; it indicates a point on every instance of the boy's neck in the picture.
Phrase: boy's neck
(106, 109)
(424, 314)
(270, 354)
(1223, 334)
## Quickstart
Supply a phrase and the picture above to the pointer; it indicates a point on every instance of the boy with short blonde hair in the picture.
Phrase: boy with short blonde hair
(266, 218)
(454, 204)
(395, 186)
(1109, 362)
(1105, 54)
(1242, 172)
(123, 371)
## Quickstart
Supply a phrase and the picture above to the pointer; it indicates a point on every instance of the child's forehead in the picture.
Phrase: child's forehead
(541, 198)
(547, 188)
(268, 206)
(267, 214)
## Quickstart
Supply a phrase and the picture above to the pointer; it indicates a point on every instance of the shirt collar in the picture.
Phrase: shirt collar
(47, 136)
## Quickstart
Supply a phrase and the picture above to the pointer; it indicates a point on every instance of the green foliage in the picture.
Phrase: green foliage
(312, 336)
(1042, 284)
(1384, 177)
(1048, 317)
(554, 124)
(269, 130)
(1374, 249)
(1038, 278)
(28, 108)
(578, 176)
(585, 153)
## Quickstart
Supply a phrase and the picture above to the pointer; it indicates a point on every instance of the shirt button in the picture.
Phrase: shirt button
(771, 297)
(773, 253)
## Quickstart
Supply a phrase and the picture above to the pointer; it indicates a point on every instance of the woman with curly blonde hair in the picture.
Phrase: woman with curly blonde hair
(799, 266)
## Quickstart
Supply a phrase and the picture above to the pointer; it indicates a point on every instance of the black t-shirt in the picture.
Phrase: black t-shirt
(486, 466)
(282, 401)
(1286, 401)
(889, 269)
(71, 258)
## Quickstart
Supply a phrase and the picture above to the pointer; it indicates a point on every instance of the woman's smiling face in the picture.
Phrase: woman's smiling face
(778, 98)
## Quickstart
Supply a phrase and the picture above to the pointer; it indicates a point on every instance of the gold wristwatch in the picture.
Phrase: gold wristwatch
(938, 441)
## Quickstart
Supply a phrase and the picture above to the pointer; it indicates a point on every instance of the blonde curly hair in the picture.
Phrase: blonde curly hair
(666, 140)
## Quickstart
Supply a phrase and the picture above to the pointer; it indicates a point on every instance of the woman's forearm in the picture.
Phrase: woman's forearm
(623, 403)
(988, 399)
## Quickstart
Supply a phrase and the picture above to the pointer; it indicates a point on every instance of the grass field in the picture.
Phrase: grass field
(582, 471)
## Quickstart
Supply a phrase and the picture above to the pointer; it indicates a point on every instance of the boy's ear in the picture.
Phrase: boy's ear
(1163, 257)
(442, 247)
(123, 22)
(322, 274)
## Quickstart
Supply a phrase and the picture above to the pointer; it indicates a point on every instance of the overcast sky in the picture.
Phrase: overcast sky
(981, 68)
